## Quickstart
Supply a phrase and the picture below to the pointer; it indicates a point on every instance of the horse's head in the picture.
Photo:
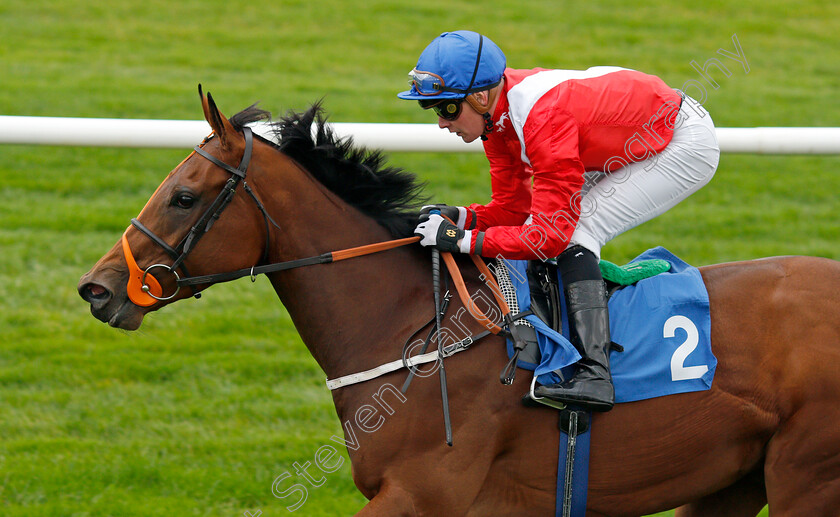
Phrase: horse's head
(193, 222)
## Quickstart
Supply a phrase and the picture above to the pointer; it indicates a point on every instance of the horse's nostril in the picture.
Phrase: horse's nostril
(94, 292)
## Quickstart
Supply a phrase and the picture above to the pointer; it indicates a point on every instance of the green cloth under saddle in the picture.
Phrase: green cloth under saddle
(631, 273)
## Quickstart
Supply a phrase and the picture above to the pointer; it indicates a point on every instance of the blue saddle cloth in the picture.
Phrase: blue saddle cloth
(662, 322)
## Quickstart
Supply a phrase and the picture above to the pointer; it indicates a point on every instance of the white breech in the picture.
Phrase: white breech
(642, 190)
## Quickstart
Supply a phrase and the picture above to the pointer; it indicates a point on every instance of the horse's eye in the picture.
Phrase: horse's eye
(183, 200)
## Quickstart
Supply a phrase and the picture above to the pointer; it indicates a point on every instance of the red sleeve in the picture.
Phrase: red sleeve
(510, 185)
(551, 140)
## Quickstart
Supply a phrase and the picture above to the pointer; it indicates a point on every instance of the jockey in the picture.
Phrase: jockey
(576, 158)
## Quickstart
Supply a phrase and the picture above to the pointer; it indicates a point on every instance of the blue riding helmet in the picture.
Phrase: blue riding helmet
(454, 65)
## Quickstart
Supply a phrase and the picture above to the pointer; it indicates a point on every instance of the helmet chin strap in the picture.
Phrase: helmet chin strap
(488, 125)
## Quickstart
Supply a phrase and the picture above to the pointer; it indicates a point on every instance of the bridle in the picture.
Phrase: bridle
(148, 291)
(145, 290)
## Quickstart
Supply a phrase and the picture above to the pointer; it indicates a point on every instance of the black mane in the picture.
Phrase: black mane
(390, 195)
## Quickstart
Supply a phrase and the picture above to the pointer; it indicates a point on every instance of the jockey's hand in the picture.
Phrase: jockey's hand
(440, 233)
(452, 212)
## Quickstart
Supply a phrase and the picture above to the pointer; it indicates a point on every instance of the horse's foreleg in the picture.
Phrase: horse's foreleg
(391, 501)
(745, 498)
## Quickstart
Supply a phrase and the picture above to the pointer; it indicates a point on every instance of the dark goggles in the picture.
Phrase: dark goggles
(447, 109)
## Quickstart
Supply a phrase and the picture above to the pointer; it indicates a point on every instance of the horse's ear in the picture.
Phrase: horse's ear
(204, 105)
(220, 124)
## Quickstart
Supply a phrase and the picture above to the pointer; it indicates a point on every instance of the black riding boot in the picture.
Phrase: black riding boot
(586, 302)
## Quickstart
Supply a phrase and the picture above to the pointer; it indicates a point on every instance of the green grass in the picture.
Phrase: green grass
(199, 411)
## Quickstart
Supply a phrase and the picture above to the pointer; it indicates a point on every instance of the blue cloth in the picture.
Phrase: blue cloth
(556, 351)
(664, 325)
(662, 322)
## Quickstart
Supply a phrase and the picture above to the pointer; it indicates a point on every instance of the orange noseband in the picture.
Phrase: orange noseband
(139, 279)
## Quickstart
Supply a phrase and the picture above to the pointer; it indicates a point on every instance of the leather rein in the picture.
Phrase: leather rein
(145, 290)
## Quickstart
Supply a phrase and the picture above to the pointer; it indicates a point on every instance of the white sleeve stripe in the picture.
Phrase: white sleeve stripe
(462, 217)
(523, 96)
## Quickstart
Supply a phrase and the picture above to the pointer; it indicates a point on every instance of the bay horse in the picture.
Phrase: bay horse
(768, 430)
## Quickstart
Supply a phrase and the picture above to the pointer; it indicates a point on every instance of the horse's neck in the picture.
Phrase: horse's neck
(354, 314)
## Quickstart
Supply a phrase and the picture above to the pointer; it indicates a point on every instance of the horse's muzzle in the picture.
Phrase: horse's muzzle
(104, 290)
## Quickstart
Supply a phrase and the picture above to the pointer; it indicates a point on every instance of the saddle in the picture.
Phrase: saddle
(546, 291)
(546, 294)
